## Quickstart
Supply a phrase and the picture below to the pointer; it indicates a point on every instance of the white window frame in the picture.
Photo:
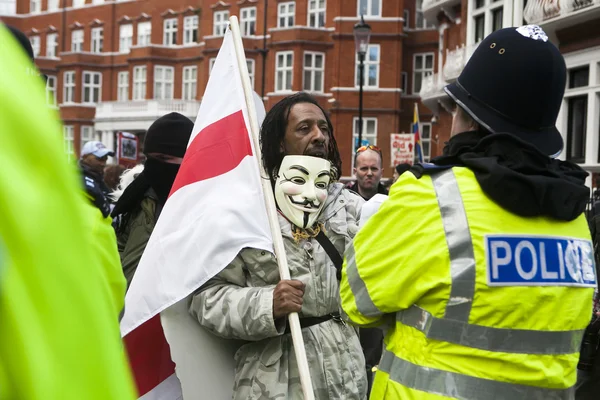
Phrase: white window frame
(52, 5)
(368, 64)
(313, 70)
(170, 27)
(51, 44)
(487, 10)
(97, 45)
(369, 8)
(371, 137)
(140, 76)
(86, 134)
(78, 3)
(189, 85)
(35, 44)
(211, 64)
(406, 16)
(69, 87)
(423, 71)
(284, 14)
(69, 141)
(248, 21)
(92, 86)
(220, 21)
(422, 126)
(35, 6)
(77, 40)
(404, 82)
(51, 90)
(163, 87)
(123, 86)
(315, 13)
(125, 38)
(144, 33)
(190, 25)
(286, 86)
(251, 64)
(419, 10)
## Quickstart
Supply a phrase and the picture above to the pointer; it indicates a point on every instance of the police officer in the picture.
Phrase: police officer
(480, 264)
(93, 160)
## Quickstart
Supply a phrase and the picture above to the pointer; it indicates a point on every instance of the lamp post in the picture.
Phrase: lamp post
(362, 34)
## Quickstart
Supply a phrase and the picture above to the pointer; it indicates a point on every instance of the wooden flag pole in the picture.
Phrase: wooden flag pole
(284, 271)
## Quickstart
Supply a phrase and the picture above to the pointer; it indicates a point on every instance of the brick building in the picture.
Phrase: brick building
(571, 25)
(118, 65)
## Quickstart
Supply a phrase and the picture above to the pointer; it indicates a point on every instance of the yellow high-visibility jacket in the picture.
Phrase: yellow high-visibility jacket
(479, 303)
(60, 288)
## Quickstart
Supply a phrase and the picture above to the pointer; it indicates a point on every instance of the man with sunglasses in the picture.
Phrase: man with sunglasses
(481, 263)
(93, 160)
(368, 169)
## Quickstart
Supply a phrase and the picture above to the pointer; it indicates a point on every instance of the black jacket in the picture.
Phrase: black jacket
(96, 189)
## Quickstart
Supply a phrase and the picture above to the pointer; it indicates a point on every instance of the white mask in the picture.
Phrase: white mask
(301, 188)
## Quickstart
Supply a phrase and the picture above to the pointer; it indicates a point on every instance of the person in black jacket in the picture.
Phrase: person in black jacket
(93, 160)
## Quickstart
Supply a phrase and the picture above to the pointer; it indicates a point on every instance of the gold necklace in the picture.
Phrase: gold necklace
(304, 234)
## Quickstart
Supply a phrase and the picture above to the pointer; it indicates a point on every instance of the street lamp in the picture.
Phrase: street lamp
(362, 33)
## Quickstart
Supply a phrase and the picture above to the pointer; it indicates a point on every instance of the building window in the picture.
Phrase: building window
(92, 85)
(487, 16)
(163, 83)
(422, 67)
(69, 140)
(577, 116)
(51, 91)
(143, 33)
(420, 21)
(316, 13)
(369, 133)
(123, 86)
(170, 32)
(78, 3)
(35, 44)
(51, 44)
(139, 83)
(283, 71)
(250, 65)
(286, 13)
(425, 134)
(406, 17)
(190, 30)
(369, 8)
(69, 87)
(371, 73)
(190, 82)
(52, 5)
(404, 82)
(579, 77)
(125, 38)
(220, 21)
(87, 135)
(211, 64)
(97, 40)
(77, 41)
(248, 21)
(35, 6)
(314, 71)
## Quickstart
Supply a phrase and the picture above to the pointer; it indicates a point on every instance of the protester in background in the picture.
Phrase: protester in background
(92, 162)
(368, 169)
(112, 174)
(142, 201)
(59, 332)
(465, 261)
(248, 301)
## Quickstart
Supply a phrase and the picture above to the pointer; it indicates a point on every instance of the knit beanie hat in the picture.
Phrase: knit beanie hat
(169, 134)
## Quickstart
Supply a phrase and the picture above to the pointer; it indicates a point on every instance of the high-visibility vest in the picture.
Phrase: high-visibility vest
(479, 303)
(59, 294)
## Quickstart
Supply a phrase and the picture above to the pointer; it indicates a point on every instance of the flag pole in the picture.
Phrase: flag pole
(284, 271)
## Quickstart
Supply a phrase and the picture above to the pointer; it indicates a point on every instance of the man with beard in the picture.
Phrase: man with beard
(368, 169)
(93, 160)
(140, 205)
(248, 301)
(481, 263)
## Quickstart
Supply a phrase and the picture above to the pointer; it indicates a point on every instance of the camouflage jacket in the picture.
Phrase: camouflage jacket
(238, 304)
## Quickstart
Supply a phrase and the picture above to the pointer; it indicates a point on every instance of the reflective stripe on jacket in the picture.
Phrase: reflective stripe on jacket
(455, 331)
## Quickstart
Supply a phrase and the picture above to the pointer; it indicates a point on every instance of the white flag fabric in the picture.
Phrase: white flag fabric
(215, 209)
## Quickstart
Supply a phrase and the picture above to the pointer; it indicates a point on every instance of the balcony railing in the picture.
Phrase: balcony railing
(432, 86)
(431, 9)
(537, 11)
(143, 109)
(456, 60)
